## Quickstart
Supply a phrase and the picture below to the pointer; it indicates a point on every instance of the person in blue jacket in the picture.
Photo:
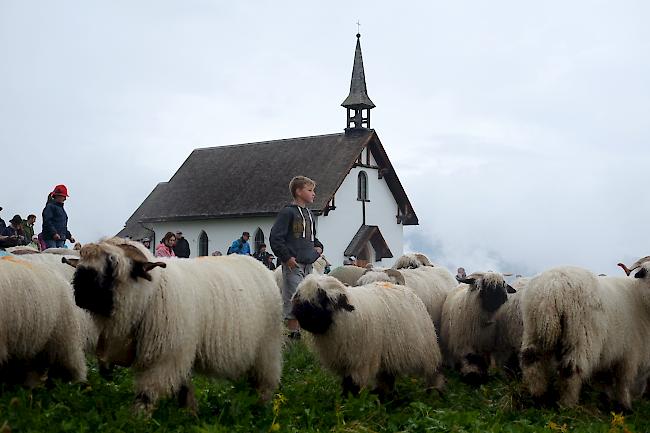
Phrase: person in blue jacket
(55, 219)
(241, 245)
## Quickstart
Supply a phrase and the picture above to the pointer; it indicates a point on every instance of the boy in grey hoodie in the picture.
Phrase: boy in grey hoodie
(293, 240)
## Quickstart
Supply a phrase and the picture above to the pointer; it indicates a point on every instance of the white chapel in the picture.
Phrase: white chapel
(361, 207)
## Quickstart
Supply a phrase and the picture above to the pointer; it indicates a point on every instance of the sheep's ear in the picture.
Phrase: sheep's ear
(397, 275)
(510, 289)
(71, 262)
(641, 274)
(343, 304)
(469, 281)
(141, 269)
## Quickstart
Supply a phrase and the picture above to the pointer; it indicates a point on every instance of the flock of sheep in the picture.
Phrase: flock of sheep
(222, 316)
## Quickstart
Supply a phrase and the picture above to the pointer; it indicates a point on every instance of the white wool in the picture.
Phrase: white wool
(431, 284)
(347, 274)
(412, 261)
(466, 328)
(89, 330)
(62, 252)
(388, 331)
(217, 315)
(318, 267)
(596, 324)
(509, 328)
(38, 316)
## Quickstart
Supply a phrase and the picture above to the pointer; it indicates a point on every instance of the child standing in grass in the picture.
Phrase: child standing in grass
(293, 240)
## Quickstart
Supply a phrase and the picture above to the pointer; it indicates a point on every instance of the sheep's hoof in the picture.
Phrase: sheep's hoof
(350, 387)
(143, 405)
(187, 399)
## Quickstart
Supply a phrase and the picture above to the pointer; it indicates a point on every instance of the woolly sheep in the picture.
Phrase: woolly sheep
(216, 315)
(468, 328)
(62, 252)
(370, 334)
(347, 274)
(89, 330)
(38, 327)
(431, 284)
(412, 261)
(577, 324)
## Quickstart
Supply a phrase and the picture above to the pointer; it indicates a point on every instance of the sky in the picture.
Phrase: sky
(520, 130)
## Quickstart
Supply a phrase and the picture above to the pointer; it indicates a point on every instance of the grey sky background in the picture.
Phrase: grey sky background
(519, 130)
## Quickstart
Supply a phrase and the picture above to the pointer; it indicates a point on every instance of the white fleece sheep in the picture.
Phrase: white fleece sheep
(348, 274)
(468, 328)
(38, 326)
(318, 267)
(89, 330)
(577, 324)
(368, 334)
(412, 261)
(62, 252)
(431, 284)
(216, 315)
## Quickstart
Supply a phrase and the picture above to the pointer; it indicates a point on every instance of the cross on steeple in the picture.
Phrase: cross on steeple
(358, 27)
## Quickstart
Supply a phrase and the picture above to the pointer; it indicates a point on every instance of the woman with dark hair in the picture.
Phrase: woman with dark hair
(166, 246)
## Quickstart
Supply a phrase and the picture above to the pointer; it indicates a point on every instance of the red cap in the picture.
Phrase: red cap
(60, 190)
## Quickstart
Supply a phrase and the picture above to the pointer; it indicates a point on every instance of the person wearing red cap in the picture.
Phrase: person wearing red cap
(55, 219)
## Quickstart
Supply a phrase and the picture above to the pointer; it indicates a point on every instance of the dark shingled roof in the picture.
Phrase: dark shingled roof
(367, 234)
(252, 179)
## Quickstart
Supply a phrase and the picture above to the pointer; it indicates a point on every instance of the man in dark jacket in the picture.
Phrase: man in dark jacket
(182, 247)
(293, 240)
(55, 219)
(15, 231)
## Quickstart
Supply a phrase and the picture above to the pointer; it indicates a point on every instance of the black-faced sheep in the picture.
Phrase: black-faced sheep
(370, 334)
(468, 328)
(215, 315)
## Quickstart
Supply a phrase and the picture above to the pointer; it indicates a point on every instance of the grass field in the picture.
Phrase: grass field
(308, 400)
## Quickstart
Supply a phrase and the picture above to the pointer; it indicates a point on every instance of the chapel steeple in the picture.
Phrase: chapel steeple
(358, 103)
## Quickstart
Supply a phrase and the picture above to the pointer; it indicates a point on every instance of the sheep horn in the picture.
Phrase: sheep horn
(635, 265)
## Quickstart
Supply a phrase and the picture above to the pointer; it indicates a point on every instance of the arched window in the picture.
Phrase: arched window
(362, 186)
(259, 239)
(203, 243)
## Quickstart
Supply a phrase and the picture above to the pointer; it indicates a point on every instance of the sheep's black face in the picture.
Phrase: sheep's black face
(316, 317)
(493, 295)
(93, 290)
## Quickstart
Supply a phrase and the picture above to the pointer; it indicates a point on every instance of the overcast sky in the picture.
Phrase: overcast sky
(520, 130)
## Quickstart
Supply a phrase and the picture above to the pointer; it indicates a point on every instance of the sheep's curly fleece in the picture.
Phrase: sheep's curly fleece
(578, 324)
(38, 317)
(388, 331)
(217, 315)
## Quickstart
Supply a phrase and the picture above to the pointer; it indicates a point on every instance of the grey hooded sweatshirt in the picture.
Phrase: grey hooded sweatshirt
(294, 235)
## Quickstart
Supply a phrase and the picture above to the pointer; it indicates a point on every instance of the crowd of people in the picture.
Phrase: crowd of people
(54, 233)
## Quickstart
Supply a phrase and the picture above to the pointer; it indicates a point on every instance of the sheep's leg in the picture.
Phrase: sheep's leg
(187, 398)
(385, 385)
(349, 386)
(570, 385)
(156, 382)
(268, 367)
(625, 378)
(534, 371)
(437, 381)
(473, 368)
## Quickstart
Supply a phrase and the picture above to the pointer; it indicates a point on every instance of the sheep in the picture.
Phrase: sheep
(369, 334)
(89, 330)
(577, 325)
(318, 267)
(22, 250)
(62, 252)
(348, 274)
(468, 328)
(220, 316)
(509, 328)
(38, 330)
(431, 284)
(412, 261)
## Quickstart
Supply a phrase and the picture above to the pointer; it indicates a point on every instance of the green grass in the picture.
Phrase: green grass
(308, 400)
